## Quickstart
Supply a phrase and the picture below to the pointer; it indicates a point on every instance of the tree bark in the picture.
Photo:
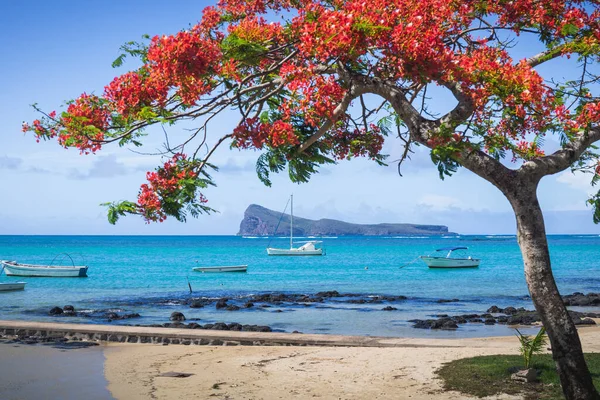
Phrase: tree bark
(572, 369)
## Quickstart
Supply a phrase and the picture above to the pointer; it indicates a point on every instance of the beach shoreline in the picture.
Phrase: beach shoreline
(347, 367)
(283, 372)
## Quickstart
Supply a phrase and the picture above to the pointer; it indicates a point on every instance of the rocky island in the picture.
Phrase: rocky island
(260, 221)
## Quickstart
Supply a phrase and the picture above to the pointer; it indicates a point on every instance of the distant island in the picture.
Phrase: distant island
(260, 221)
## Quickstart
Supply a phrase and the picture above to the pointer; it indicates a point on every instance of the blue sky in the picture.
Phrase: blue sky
(53, 51)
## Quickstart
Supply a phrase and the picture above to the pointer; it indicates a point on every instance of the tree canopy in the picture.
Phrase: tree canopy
(315, 81)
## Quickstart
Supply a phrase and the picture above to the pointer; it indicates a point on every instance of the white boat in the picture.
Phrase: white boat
(308, 249)
(224, 268)
(13, 268)
(435, 261)
(5, 287)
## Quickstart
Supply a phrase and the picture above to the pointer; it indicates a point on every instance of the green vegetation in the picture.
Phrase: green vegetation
(490, 375)
(531, 346)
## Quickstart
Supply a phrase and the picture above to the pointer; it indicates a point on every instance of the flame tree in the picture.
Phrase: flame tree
(315, 81)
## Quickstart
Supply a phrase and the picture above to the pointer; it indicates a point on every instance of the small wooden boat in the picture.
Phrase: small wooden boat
(13, 268)
(448, 261)
(5, 287)
(224, 268)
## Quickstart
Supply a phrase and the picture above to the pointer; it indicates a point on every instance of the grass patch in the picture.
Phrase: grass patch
(490, 375)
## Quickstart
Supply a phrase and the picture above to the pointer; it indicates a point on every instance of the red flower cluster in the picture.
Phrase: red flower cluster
(185, 61)
(256, 30)
(163, 184)
(346, 143)
(84, 124)
(314, 97)
(132, 91)
(255, 134)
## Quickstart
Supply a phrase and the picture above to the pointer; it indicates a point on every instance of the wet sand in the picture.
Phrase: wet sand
(35, 372)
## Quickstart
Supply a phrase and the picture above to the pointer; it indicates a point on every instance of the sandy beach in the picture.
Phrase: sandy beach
(275, 372)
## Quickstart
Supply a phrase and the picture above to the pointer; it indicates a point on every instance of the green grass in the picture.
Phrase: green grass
(490, 375)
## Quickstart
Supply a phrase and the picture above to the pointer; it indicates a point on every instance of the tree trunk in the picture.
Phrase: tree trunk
(574, 375)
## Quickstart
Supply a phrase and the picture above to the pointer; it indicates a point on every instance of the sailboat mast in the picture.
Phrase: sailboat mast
(292, 223)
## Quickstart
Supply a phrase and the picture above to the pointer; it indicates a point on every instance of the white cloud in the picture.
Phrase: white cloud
(577, 180)
(440, 203)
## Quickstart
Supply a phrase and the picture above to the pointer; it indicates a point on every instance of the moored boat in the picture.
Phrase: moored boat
(224, 268)
(448, 261)
(13, 268)
(308, 249)
(10, 286)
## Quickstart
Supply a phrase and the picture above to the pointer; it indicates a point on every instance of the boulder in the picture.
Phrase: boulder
(329, 293)
(495, 310)
(69, 309)
(222, 303)
(196, 304)
(525, 375)
(389, 308)
(177, 316)
(55, 311)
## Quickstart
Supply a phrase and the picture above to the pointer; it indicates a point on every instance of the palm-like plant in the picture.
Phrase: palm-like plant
(531, 346)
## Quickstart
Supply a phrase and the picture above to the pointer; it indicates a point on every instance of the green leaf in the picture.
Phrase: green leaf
(569, 30)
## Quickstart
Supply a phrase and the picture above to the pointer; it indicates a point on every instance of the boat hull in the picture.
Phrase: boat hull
(6, 287)
(444, 262)
(16, 269)
(233, 268)
(294, 252)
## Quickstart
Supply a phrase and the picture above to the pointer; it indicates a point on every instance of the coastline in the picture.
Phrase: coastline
(305, 366)
(272, 372)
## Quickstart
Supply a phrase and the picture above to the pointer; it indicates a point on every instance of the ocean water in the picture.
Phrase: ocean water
(149, 275)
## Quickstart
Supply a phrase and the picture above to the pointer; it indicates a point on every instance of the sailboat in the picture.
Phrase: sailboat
(309, 248)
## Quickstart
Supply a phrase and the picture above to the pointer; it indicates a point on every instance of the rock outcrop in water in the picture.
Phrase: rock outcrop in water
(260, 221)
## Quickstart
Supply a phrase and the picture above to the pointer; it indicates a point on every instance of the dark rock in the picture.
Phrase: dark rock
(232, 307)
(69, 309)
(196, 304)
(490, 321)
(235, 327)
(220, 326)
(222, 303)
(509, 310)
(249, 305)
(449, 325)
(441, 316)
(447, 300)
(256, 328)
(582, 300)
(55, 311)
(584, 321)
(330, 293)
(389, 308)
(495, 310)
(194, 325)
(177, 316)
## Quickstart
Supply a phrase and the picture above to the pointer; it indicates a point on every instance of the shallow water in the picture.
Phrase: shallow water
(142, 273)
(33, 372)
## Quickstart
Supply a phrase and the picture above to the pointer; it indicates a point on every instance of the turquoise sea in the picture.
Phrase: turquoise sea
(149, 275)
